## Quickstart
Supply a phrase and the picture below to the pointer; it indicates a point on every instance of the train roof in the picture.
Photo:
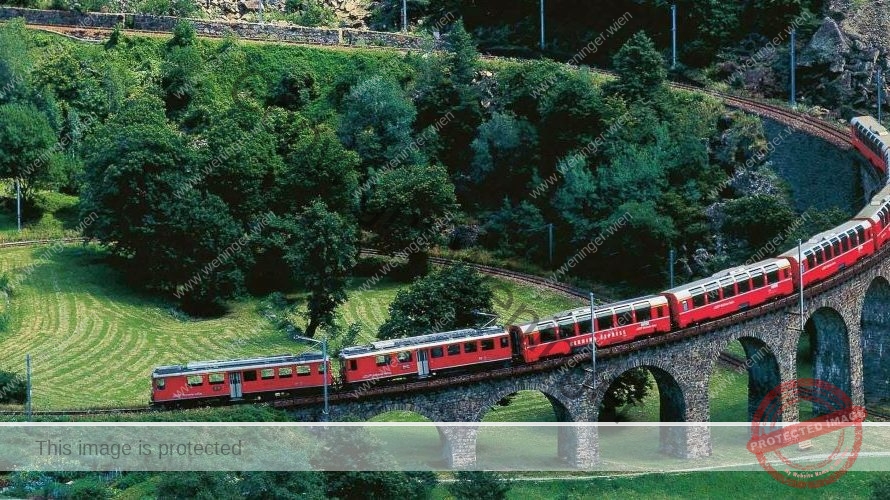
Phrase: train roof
(584, 312)
(221, 365)
(878, 201)
(871, 124)
(779, 263)
(384, 346)
(824, 236)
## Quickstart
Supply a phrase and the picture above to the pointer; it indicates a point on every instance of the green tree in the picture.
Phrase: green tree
(630, 388)
(12, 388)
(376, 122)
(320, 248)
(640, 68)
(406, 209)
(479, 485)
(757, 219)
(308, 485)
(516, 230)
(464, 56)
(240, 160)
(315, 165)
(444, 300)
(15, 62)
(880, 486)
(504, 150)
(197, 485)
(182, 75)
(26, 142)
(171, 238)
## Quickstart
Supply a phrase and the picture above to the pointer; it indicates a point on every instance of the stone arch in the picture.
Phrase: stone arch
(875, 328)
(574, 445)
(672, 400)
(829, 338)
(761, 366)
(372, 411)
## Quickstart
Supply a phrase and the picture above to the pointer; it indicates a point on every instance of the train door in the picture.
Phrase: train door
(423, 363)
(235, 385)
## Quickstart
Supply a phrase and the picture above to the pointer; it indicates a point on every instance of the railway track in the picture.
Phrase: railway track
(77, 413)
(31, 243)
(529, 279)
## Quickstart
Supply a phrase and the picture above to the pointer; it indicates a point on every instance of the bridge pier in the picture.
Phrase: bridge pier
(459, 446)
(579, 446)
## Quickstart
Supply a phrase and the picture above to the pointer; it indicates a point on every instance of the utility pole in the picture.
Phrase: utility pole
(18, 201)
(550, 233)
(404, 15)
(324, 361)
(793, 67)
(671, 266)
(28, 386)
(800, 272)
(542, 24)
(880, 93)
(592, 343)
(673, 36)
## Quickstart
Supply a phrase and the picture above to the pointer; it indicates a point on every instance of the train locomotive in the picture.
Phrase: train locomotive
(564, 334)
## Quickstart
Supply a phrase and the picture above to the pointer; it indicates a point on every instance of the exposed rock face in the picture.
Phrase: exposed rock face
(844, 55)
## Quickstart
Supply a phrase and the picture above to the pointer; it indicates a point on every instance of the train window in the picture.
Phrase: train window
(854, 240)
(532, 340)
(353, 365)
(625, 316)
(287, 372)
(566, 331)
(845, 242)
(861, 233)
(757, 280)
(836, 246)
(685, 305)
(249, 376)
(811, 261)
(160, 383)
(604, 322)
(321, 368)
(487, 344)
(195, 380)
(744, 284)
(829, 253)
(643, 312)
(404, 356)
(216, 378)
(584, 326)
(470, 347)
(548, 335)
(267, 373)
(302, 371)
(382, 359)
(454, 349)
(698, 300)
(773, 276)
(820, 256)
(713, 293)
(505, 342)
(436, 352)
(728, 290)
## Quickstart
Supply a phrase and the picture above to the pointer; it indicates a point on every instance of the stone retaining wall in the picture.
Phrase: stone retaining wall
(253, 31)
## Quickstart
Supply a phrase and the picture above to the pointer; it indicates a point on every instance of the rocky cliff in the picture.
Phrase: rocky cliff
(348, 13)
(843, 56)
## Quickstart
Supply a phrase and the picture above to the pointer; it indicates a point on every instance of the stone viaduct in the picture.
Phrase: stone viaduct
(847, 319)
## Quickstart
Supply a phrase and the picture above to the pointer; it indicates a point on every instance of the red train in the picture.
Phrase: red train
(872, 140)
(724, 293)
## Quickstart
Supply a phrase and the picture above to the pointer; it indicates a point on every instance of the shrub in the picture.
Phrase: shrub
(12, 388)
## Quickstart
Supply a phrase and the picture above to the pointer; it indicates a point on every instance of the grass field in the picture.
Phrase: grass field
(56, 217)
(94, 340)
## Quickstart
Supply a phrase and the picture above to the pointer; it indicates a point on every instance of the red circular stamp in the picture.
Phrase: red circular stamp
(774, 444)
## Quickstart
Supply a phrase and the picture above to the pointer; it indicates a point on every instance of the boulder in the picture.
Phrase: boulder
(829, 46)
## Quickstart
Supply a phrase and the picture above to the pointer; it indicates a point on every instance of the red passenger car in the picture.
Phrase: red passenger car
(426, 355)
(872, 140)
(878, 213)
(730, 291)
(568, 332)
(238, 379)
(829, 252)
